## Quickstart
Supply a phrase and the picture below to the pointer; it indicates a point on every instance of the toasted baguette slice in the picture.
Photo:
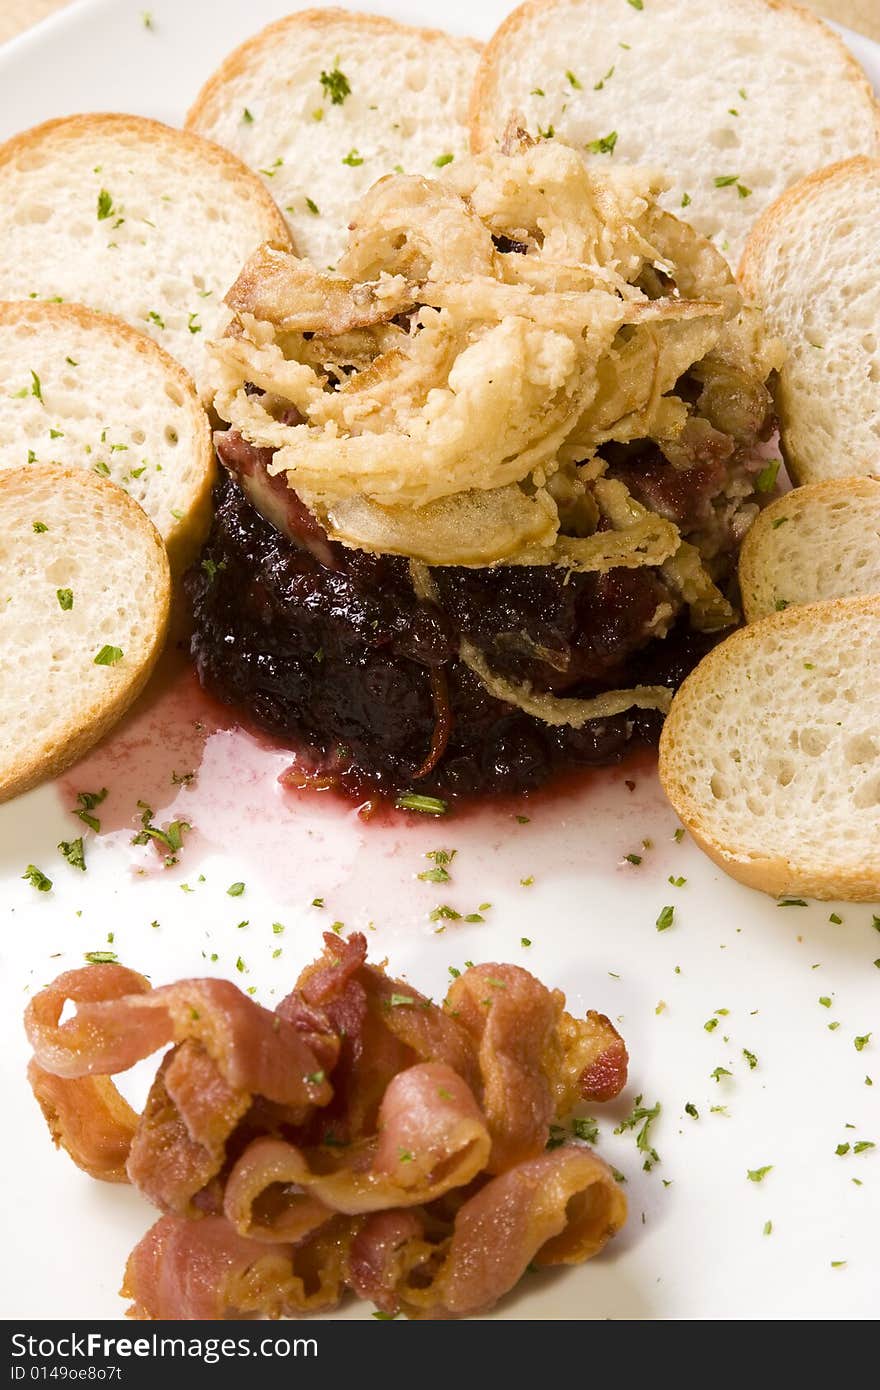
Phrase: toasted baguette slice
(735, 101)
(771, 752)
(811, 262)
(391, 97)
(87, 391)
(818, 542)
(134, 219)
(84, 572)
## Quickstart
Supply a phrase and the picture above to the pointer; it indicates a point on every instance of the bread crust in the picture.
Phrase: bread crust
(84, 727)
(211, 97)
(770, 873)
(485, 86)
(762, 237)
(69, 128)
(752, 561)
(184, 540)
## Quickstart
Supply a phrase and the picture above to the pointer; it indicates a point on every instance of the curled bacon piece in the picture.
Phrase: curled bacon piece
(359, 1137)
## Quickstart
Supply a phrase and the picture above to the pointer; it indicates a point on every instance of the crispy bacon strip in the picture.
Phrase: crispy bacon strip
(431, 1138)
(89, 1118)
(360, 1136)
(120, 1020)
(202, 1269)
(560, 1208)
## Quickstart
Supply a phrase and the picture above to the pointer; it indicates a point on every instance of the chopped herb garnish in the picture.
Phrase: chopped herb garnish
(780, 605)
(36, 387)
(87, 803)
(40, 527)
(836, 919)
(443, 159)
(768, 1228)
(686, 200)
(636, 4)
(691, 1109)
(353, 159)
(73, 852)
(108, 656)
(397, 1001)
(604, 145)
(65, 599)
(719, 1072)
(644, 1116)
(194, 326)
(313, 207)
(155, 318)
(863, 1145)
(38, 879)
(336, 85)
(574, 81)
(710, 1025)
(235, 890)
(750, 1058)
(759, 1174)
(779, 521)
(585, 1128)
(427, 805)
(678, 835)
(665, 920)
(597, 86)
(862, 1042)
(548, 133)
(825, 1001)
(247, 117)
(766, 479)
(105, 205)
(445, 913)
(678, 882)
(240, 966)
(315, 1078)
(436, 875)
(633, 858)
(791, 902)
(101, 957)
(726, 180)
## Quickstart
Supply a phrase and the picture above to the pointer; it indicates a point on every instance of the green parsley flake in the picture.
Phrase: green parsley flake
(604, 145)
(65, 599)
(194, 326)
(105, 205)
(574, 81)
(836, 919)
(87, 803)
(398, 1001)
(442, 160)
(235, 890)
(691, 1109)
(768, 1228)
(766, 479)
(426, 805)
(586, 1129)
(636, 4)
(750, 1058)
(710, 1025)
(726, 180)
(597, 86)
(247, 117)
(40, 527)
(108, 656)
(719, 1072)
(74, 853)
(633, 858)
(353, 159)
(155, 318)
(678, 882)
(861, 1043)
(825, 1001)
(313, 207)
(38, 879)
(101, 957)
(665, 920)
(759, 1174)
(241, 967)
(644, 1116)
(686, 200)
(36, 388)
(336, 85)
(524, 941)
(791, 902)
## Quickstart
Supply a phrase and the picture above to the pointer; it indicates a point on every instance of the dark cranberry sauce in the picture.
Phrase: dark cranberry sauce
(347, 660)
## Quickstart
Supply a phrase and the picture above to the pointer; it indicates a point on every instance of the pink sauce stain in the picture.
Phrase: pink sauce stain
(364, 861)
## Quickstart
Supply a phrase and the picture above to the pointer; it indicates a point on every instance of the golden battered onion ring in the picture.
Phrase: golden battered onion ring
(472, 529)
(558, 710)
(647, 542)
(415, 227)
(292, 295)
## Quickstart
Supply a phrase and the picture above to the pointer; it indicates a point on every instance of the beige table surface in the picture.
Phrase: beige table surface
(863, 15)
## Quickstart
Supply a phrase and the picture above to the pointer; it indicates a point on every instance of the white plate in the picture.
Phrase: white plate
(693, 1249)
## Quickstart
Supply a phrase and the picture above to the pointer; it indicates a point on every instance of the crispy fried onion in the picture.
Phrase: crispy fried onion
(432, 366)
(359, 1137)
